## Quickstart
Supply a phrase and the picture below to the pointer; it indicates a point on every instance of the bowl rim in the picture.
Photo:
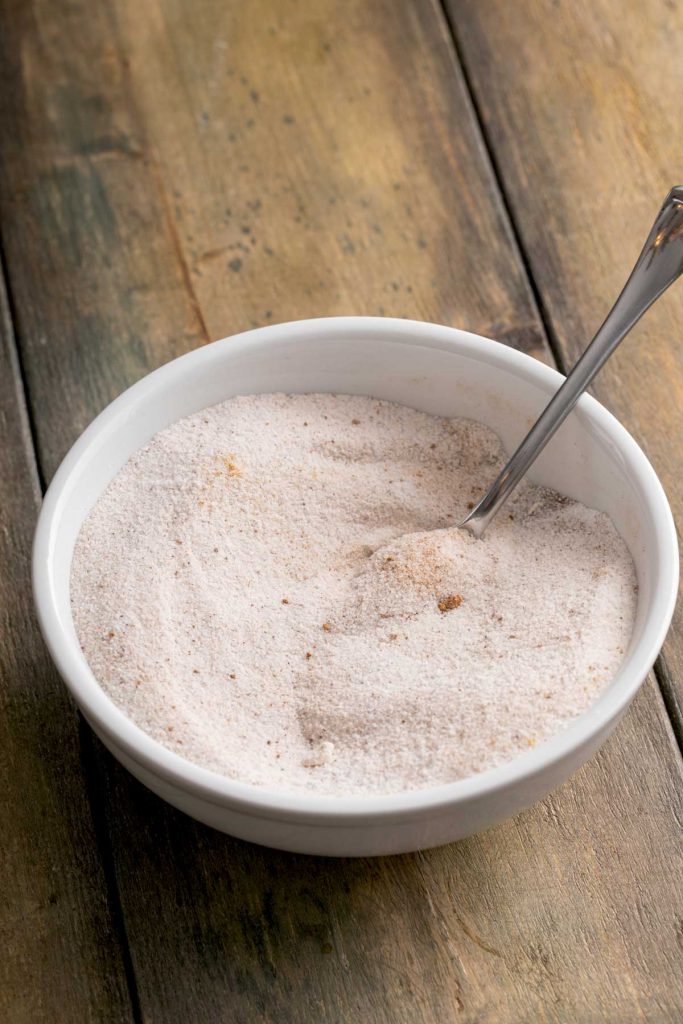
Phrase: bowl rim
(292, 806)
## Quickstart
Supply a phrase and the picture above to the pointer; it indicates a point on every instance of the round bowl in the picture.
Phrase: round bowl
(435, 369)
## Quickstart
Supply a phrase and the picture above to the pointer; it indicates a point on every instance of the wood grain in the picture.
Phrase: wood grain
(101, 286)
(213, 167)
(582, 107)
(61, 958)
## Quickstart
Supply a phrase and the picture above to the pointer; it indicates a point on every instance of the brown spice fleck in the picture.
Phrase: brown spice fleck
(308, 655)
(446, 604)
(233, 675)
(393, 636)
(355, 422)
(470, 504)
(326, 627)
(111, 633)
(285, 600)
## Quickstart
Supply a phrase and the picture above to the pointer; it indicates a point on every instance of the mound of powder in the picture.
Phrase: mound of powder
(274, 588)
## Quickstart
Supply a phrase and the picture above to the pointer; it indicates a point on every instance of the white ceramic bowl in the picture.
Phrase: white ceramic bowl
(438, 370)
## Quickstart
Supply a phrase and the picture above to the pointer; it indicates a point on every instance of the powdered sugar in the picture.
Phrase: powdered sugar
(275, 589)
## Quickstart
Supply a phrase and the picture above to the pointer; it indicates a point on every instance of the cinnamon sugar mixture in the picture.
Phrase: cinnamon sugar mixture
(275, 589)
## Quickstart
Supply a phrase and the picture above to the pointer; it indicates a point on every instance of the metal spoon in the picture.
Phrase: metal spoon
(658, 266)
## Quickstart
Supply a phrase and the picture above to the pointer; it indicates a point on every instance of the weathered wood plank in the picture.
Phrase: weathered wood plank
(582, 107)
(61, 955)
(565, 913)
(102, 289)
(329, 153)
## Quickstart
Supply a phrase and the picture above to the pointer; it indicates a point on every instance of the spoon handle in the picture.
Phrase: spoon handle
(658, 266)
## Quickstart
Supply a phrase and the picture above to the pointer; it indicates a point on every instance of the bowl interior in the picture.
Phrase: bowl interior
(447, 374)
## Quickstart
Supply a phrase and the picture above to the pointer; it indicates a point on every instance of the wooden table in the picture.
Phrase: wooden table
(172, 172)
